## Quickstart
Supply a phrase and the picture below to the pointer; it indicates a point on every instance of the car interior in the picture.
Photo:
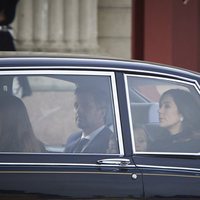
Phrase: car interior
(49, 102)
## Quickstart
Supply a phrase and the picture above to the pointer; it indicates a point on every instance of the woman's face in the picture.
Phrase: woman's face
(169, 115)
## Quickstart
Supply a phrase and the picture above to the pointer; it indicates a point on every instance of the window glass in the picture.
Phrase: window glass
(164, 115)
(58, 114)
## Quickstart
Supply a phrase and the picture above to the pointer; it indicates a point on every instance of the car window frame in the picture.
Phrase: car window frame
(176, 79)
(113, 87)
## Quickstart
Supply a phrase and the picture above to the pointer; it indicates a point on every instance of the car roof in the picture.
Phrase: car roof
(79, 61)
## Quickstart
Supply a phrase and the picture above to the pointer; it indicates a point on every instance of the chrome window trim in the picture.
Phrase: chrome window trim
(126, 75)
(169, 167)
(55, 72)
(63, 164)
(66, 172)
(117, 114)
(85, 73)
(104, 68)
(161, 167)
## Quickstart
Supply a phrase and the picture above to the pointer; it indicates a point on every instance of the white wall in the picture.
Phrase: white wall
(114, 27)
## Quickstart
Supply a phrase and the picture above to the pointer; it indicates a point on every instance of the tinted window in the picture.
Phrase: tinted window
(52, 113)
(167, 118)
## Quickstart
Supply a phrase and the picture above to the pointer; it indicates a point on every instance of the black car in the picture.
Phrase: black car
(140, 122)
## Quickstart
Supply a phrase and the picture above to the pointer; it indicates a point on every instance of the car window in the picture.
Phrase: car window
(168, 121)
(54, 113)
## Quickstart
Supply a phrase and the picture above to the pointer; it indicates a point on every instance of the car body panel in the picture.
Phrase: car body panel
(71, 180)
(95, 176)
(170, 177)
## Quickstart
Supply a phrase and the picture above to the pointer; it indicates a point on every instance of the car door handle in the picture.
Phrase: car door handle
(115, 161)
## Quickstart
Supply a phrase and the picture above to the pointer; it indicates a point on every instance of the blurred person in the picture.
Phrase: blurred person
(7, 15)
(113, 145)
(16, 134)
(141, 139)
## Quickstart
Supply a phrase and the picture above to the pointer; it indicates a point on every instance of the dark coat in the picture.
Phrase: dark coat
(99, 144)
(183, 142)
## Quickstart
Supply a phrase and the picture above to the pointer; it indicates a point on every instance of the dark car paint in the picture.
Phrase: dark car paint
(38, 176)
(79, 177)
(170, 177)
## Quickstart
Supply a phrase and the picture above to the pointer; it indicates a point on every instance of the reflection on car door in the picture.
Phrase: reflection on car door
(170, 177)
(83, 176)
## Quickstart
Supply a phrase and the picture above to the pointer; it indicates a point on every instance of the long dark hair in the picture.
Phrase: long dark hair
(187, 106)
(16, 132)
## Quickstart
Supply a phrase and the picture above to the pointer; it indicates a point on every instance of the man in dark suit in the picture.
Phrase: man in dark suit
(91, 107)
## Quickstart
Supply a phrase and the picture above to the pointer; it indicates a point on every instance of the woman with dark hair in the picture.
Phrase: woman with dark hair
(179, 116)
(16, 134)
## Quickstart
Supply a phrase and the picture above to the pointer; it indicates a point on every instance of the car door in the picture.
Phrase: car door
(171, 166)
(27, 171)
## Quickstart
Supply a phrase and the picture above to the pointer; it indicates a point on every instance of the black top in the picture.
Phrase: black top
(184, 141)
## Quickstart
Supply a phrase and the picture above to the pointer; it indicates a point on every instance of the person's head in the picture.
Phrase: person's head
(140, 138)
(15, 128)
(112, 145)
(178, 111)
(90, 107)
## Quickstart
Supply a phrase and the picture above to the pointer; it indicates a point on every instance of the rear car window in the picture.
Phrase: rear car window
(164, 115)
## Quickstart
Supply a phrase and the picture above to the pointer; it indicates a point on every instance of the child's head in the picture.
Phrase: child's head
(140, 139)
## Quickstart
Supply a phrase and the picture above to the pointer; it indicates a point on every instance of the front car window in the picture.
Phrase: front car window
(55, 113)
(165, 119)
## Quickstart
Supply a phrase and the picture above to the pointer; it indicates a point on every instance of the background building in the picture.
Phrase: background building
(164, 31)
(79, 26)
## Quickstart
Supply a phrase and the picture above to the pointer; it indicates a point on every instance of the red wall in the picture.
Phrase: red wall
(158, 31)
(171, 31)
(186, 34)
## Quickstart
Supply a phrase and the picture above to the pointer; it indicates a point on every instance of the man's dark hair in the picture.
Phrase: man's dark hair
(100, 98)
(99, 95)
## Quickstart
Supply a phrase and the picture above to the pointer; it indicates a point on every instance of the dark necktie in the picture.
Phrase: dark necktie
(80, 145)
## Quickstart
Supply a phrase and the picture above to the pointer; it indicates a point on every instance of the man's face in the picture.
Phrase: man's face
(89, 115)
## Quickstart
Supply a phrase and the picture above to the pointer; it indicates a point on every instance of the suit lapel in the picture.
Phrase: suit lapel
(100, 143)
